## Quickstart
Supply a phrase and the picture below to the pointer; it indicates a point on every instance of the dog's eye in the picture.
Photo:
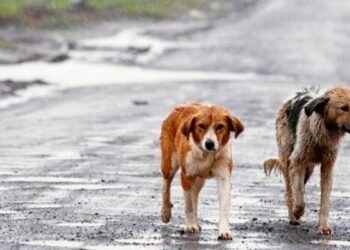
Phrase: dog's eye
(345, 108)
(219, 127)
(202, 126)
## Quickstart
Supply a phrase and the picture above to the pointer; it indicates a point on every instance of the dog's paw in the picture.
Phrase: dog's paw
(225, 235)
(166, 214)
(325, 230)
(293, 221)
(298, 211)
(193, 229)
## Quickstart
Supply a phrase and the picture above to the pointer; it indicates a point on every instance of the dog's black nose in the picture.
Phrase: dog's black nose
(209, 145)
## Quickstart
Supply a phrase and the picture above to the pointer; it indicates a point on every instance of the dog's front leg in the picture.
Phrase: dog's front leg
(195, 189)
(326, 186)
(224, 194)
(190, 208)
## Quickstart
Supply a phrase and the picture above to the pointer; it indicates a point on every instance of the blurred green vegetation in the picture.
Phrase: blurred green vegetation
(155, 8)
(15, 8)
(5, 44)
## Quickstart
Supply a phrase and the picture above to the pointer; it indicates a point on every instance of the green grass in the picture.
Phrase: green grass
(157, 8)
(15, 8)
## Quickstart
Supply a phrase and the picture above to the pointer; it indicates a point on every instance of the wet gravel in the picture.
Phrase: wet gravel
(92, 176)
(79, 169)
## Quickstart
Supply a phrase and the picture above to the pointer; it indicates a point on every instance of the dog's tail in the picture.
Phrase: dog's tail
(272, 165)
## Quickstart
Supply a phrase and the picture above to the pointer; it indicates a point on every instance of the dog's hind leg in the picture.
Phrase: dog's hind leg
(326, 186)
(289, 197)
(297, 178)
(169, 167)
(285, 167)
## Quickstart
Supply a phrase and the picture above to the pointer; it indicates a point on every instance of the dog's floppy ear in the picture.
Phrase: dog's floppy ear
(188, 126)
(316, 105)
(235, 125)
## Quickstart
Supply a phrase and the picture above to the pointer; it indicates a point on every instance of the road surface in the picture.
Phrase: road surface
(79, 155)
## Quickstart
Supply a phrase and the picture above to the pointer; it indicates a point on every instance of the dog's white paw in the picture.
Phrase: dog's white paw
(325, 230)
(193, 228)
(225, 235)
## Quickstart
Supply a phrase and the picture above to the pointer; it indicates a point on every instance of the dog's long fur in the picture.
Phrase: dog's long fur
(184, 137)
(309, 128)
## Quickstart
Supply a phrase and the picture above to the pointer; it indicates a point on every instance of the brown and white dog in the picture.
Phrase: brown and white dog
(309, 128)
(196, 138)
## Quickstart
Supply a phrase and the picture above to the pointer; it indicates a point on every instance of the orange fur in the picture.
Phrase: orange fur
(182, 138)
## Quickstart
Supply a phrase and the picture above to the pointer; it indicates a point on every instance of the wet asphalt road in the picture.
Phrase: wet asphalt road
(80, 169)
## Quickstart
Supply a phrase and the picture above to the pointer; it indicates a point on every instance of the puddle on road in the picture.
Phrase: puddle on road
(54, 243)
(63, 76)
(89, 187)
(26, 94)
(95, 74)
(42, 205)
(48, 179)
(78, 224)
(78, 245)
(132, 45)
(4, 172)
(165, 236)
(336, 243)
(64, 154)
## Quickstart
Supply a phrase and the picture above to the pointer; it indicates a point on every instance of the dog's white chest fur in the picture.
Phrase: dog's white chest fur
(200, 163)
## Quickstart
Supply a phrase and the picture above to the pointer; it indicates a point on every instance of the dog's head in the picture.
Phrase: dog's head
(334, 107)
(211, 127)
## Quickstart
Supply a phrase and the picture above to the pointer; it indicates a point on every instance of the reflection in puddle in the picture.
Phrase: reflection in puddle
(168, 236)
(78, 245)
(339, 243)
(78, 224)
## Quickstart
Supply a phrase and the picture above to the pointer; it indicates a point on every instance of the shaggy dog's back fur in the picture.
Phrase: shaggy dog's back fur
(309, 127)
